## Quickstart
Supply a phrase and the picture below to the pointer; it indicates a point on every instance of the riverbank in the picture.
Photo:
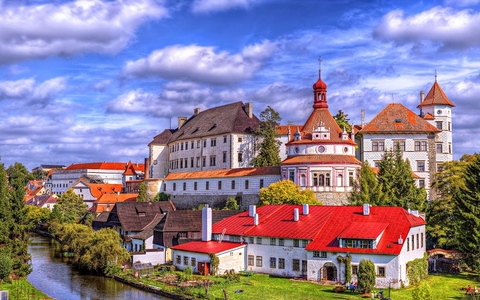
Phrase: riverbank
(23, 290)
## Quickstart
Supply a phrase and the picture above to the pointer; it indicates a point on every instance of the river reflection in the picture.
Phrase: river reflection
(61, 281)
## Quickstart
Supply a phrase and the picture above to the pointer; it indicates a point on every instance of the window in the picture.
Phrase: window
(354, 269)
(185, 260)
(273, 241)
(250, 240)
(250, 260)
(351, 179)
(399, 145)
(233, 184)
(413, 242)
(192, 144)
(281, 242)
(259, 240)
(449, 126)
(259, 261)
(224, 139)
(181, 164)
(281, 263)
(204, 161)
(304, 243)
(304, 266)
(408, 244)
(246, 184)
(421, 240)
(439, 124)
(296, 265)
(421, 182)
(323, 254)
(261, 183)
(224, 156)
(219, 185)
(198, 144)
(193, 261)
(178, 259)
(191, 162)
(418, 241)
(183, 235)
(273, 262)
(420, 145)
(195, 186)
(240, 139)
(198, 162)
(316, 253)
(420, 165)
(213, 160)
(381, 271)
(213, 142)
(207, 185)
(378, 146)
(174, 186)
(204, 143)
(240, 157)
(181, 146)
(186, 145)
(296, 243)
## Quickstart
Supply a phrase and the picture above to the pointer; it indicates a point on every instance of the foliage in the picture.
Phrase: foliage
(366, 276)
(160, 196)
(214, 262)
(423, 291)
(417, 269)
(112, 270)
(39, 174)
(231, 276)
(6, 266)
(348, 268)
(467, 199)
(285, 191)
(36, 216)
(69, 208)
(232, 204)
(269, 147)
(366, 190)
(142, 192)
(342, 120)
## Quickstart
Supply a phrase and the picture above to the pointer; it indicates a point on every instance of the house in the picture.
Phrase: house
(310, 241)
(92, 187)
(107, 201)
(424, 138)
(43, 201)
(34, 188)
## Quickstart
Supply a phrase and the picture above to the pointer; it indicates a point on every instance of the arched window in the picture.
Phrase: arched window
(303, 180)
(321, 180)
(340, 180)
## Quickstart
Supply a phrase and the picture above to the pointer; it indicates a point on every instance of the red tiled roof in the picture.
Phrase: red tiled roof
(428, 117)
(98, 166)
(322, 115)
(283, 129)
(324, 224)
(259, 171)
(397, 118)
(133, 168)
(436, 96)
(98, 189)
(208, 247)
(357, 230)
(321, 159)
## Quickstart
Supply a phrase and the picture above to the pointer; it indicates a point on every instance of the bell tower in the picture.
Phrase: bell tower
(320, 90)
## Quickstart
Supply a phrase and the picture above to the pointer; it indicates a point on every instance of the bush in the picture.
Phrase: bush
(339, 289)
(6, 266)
(422, 292)
(366, 276)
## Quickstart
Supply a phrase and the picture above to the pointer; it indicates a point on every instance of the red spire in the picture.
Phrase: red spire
(320, 92)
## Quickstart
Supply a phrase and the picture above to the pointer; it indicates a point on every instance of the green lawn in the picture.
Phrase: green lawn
(22, 290)
(260, 286)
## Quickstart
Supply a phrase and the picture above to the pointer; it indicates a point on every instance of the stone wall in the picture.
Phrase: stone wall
(214, 201)
(333, 198)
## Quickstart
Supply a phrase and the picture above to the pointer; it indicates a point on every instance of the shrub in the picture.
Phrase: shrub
(6, 266)
(366, 276)
(339, 289)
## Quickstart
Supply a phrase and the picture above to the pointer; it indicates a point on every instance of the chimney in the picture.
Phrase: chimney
(295, 214)
(147, 168)
(252, 210)
(181, 121)
(306, 209)
(422, 96)
(363, 117)
(255, 219)
(249, 109)
(206, 224)
(196, 111)
(366, 209)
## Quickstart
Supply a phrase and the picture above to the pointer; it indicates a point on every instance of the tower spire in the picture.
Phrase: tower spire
(435, 75)
(320, 67)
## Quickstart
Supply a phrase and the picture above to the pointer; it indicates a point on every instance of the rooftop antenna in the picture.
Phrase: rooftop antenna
(320, 67)
(435, 75)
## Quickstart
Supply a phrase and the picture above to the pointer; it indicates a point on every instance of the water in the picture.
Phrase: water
(62, 281)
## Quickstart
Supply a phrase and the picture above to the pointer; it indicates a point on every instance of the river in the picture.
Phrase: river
(62, 281)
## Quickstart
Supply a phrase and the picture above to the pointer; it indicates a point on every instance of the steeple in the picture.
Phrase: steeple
(320, 90)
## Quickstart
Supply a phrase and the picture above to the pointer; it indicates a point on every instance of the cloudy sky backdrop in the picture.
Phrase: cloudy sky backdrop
(96, 80)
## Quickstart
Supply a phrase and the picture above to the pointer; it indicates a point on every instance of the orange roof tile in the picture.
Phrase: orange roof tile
(322, 115)
(321, 159)
(98, 166)
(225, 173)
(98, 189)
(436, 96)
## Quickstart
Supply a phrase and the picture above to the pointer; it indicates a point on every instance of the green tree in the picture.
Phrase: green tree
(267, 139)
(5, 266)
(232, 204)
(161, 196)
(398, 185)
(366, 276)
(467, 199)
(142, 192)
(36, 215)
(69, 207)
(366, 190)
(285, 191)
(423, 291)
(342, 120)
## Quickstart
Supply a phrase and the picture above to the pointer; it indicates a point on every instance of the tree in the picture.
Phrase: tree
(366, 276)
(161, 196)
(285, 191)
(467, 199)
(5, 266)
(422, 292)
(342, 120)
(142, 192)
(366, 190)
(269, 147)
(232, 204)
(69, 208)
(36, 216)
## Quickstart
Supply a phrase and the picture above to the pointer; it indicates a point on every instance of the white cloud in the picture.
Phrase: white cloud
(16, 89)
(201, 64)
(44, 92)
(448, 28)
(38, 31)
(205, 6)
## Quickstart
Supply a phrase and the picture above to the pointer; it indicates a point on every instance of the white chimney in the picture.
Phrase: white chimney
(400, 240)
(196, 111)
(249, 109)
(255, 219)
(252, 210)
(295, 214)
(366, 209)
(422, 96)
(306, 209)
(181, 121)
(206, 224)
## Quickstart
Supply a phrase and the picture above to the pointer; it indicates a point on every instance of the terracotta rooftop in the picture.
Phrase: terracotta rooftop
(98, 166)
(260, 171)
(436, 96)
(321, 159)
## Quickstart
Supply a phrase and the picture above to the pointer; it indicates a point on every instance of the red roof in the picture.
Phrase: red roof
(208, 247)
(98, 166)
(436, 96)
(325, 224)
(321, 159)
(259, 171)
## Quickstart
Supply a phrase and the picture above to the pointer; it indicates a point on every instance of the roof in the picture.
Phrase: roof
(162, 138)
(98, 166)
(101, 204)
(136, 216)
(436, 96)
(229, 118)
(99, 189)
(208, 247)
(133, 169)
(323, 225)
(148, 230)
(283, 129)
(258, 171)
(396, 118)
(190, 220)
(321, 159)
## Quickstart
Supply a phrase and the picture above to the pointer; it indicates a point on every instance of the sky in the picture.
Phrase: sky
(97, 80)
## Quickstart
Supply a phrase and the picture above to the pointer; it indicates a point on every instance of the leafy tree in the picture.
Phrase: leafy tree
(366, 190)
(342, 120)
(39, 174)
(5, 266)
(69, 208)
(161, 196)
(366, 276)
(423, 291)
(467, 199)
(269, 147)
(36, 215)
(285, 191)
(232, 204)
(142, 192)
(397, 182)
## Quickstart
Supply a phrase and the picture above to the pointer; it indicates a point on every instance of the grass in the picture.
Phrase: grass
(260, 286)
(22, 290)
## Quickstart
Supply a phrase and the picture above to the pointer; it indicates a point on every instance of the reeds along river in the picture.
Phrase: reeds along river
(60, 280)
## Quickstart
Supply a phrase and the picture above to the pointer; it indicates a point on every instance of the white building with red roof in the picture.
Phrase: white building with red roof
(307, 241)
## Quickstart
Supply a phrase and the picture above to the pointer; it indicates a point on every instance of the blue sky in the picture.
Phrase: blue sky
(87, 81)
